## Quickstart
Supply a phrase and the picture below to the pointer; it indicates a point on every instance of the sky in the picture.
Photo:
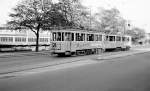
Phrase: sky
(135, 11)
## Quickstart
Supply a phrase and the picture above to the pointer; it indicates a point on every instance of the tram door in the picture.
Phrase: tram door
(68, 40)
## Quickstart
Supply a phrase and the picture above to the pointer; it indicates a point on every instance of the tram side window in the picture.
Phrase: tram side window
(103, 37)
(83, 37)
(69, 36)
(58, 36)
(90, 37)
(118, 38)
(100, 38)
(111, 38)
(80, 37)
(62, 36)
(107, 38)
(72, 38)
(77, 37)
(114, 38)
(96, 38)
(123, 39)
(126, 38)
(66, 36)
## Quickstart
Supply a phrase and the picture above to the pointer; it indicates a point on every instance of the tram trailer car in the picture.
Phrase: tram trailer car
(70, 42)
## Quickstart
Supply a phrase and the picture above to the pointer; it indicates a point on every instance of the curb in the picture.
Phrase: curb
(22, 54)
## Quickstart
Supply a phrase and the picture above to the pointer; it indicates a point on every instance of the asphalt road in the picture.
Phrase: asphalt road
(130, 73)
(18, 62)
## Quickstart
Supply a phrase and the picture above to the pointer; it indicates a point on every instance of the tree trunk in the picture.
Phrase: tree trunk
(37, 41)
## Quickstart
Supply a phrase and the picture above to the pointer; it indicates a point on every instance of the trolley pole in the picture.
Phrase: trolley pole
(90, 25)
(90, 18)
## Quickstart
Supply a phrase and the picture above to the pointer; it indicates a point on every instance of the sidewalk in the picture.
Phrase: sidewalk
(24, 53)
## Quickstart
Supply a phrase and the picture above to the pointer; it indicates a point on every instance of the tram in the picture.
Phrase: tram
(73, 41)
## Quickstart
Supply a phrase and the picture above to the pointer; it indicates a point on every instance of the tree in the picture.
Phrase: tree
(110, 21)
(38, 15)
(33, 15)
(136, 33)
(74, 12)
(57, 18)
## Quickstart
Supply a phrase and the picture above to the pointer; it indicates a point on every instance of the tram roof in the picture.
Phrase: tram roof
(86, 31)
(76, 30)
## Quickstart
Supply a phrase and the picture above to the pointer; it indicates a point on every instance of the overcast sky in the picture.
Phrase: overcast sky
(137, 11)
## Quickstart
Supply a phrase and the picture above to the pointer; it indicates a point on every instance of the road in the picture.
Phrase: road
(19, 62)
(129, 73)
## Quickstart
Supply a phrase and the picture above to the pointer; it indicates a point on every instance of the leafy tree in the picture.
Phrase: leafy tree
(33, 15)
(110, 21)
(58, 20)
(74, 12)
(38, 15)
(136, 33)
